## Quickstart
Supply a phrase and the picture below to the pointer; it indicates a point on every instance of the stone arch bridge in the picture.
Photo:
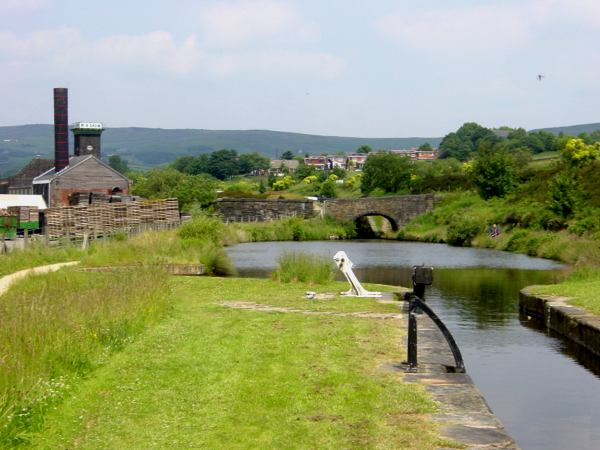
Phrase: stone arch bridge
(399, 210)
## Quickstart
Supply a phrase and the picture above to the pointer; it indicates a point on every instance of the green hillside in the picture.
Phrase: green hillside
(147, 147)
(573, 130)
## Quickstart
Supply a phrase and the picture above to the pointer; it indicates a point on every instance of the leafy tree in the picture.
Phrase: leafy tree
(249, 162)
(595, 136)
(563, 195)
(188, 189)
(287, 155)
(494, 171)
(426, 147)
(118, 163)
(192, 165)
(304, 170)
(196, 190)
(364, 149)
(386, 171)
(464, 142)
(223, 164)
(182, 163)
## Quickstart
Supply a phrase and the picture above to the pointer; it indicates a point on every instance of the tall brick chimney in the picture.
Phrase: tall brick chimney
(61, 128)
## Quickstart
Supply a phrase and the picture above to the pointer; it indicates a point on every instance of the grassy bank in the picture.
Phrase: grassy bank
(463, 219)
(581, 288)
(57, 328)
(218, 377)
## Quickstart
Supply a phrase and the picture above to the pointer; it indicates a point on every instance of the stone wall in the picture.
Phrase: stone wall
(400, 209)
(260, 210)
(575, 323)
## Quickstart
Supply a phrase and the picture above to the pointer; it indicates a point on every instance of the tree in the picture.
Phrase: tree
(287, 155)
(426, 147)
(118, 163)
(364, 149)
(465, 141)
(223, 164)
(494, 171)
(386, 171)
(188, 189)
(563, 195)
(249, 162)
(195, 190)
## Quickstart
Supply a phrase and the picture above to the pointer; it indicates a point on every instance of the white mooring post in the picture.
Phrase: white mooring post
(345, 265)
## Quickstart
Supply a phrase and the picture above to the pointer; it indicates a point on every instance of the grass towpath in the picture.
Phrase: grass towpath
(211, 376)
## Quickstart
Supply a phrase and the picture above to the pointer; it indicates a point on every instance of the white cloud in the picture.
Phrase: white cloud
(454, 30)
(236, 23)
(21, 6)
(155, 50)
(319, 64)
(63, 50)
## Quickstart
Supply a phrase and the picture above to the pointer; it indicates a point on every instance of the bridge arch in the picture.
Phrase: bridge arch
(390, 219)
(399, 210)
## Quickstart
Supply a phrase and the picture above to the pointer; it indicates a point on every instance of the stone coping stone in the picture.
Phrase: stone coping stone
(572, 322)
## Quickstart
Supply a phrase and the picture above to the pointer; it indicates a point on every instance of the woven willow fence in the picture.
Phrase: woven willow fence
(103, 219)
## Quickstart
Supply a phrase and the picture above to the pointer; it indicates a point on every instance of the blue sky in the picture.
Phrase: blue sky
(349, 68)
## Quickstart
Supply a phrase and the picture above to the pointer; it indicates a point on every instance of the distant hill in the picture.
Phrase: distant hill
(573, 130)
(147, 147)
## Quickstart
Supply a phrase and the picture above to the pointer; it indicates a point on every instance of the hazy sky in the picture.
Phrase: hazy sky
(351, 68)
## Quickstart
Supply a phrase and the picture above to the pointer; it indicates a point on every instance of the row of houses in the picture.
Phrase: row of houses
(354, 161)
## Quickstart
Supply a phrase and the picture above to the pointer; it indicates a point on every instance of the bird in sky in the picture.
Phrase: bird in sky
(540, 76)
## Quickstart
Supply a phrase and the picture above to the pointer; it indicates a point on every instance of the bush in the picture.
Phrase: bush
(203, 228)
(462, 231)
(304, 268)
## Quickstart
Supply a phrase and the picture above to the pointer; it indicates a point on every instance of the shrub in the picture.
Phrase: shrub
(462, 231)
(203, 228)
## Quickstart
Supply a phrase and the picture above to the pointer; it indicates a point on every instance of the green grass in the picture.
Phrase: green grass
(59, 327)
(37, 254)
(581, 288)
(303, 267)
(215, 377)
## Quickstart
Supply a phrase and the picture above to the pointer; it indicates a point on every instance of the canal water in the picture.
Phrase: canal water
(545, 390)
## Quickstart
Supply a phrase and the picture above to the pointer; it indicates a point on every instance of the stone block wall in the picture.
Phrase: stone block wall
(260, 210)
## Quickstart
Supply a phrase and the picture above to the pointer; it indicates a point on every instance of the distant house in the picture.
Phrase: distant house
(336, 161)
(279, 166)
(356, 161)
(501, 133)
(83, 174)
(21, 183)
(319, 162)
(414, 154)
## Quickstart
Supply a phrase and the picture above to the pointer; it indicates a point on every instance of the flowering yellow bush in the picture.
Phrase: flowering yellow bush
(310, 179)
(283, 184)
(578, 153)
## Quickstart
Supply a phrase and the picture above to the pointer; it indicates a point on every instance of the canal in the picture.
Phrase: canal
(545, 390)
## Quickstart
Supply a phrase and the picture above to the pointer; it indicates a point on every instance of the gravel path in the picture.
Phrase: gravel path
(7, 280)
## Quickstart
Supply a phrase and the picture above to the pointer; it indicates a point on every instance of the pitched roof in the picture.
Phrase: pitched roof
(74, 161)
